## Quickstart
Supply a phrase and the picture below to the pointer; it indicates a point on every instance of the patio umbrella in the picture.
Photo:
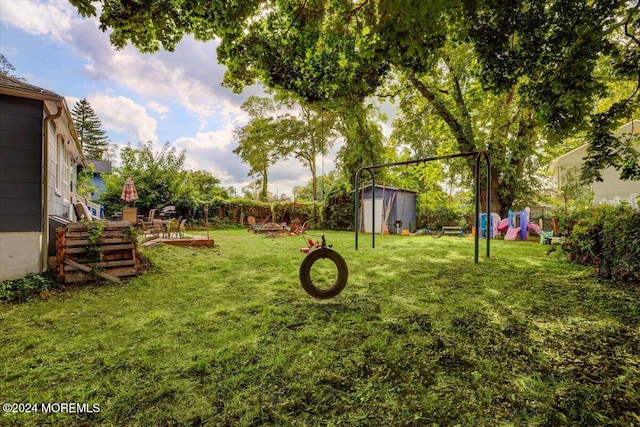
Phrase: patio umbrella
(129, 193)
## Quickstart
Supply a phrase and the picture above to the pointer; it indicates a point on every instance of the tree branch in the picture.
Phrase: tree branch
(464, 143)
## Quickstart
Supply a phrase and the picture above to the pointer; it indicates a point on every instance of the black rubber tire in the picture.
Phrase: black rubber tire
(439, 235)
(305, 273)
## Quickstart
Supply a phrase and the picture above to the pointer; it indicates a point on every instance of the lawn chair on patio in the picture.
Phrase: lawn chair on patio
(159, 227)
(131, 215)
(148, 223)
(167, 211)
(251, 222)
(175, 226)
(299, 230)
(181, 227)
(83, 213)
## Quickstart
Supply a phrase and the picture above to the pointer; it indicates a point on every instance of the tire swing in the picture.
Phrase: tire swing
(312, 287)
(316, 288)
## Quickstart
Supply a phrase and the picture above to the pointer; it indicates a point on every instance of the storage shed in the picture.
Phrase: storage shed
(391, 205)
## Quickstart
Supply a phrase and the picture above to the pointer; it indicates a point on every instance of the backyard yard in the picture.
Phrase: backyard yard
(421, 335)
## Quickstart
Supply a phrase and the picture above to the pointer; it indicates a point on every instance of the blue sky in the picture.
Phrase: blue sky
(173, 97)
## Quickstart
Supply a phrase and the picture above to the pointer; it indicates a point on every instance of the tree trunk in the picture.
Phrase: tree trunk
(497, 204)
(264, 193)
(314, 179)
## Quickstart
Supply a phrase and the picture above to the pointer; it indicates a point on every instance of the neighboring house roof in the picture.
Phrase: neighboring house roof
(100, 166)
(629, 128)
(21, 89)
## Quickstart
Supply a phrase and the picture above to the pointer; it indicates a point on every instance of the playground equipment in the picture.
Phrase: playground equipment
(493, 226)
(517, 226)
(479, 155)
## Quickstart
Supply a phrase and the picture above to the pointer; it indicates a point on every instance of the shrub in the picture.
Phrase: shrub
(20, 290)
(608, 238)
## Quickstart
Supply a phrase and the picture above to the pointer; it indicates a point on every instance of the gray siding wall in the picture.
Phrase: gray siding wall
(20, 164)
(403, 208)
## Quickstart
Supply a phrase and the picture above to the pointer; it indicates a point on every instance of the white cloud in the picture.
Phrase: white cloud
(121, 114)
(158, 108)
(189, 76)
(53, 19)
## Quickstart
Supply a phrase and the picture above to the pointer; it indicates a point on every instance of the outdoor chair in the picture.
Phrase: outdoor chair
(299, 229)
(181, 227)
(167, 211)
(83, 213)
(130, 214)
(173, 227)
(251, 222)
(158, 227)
(148, 224)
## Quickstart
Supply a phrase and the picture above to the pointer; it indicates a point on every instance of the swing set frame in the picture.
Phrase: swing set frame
(479, 155)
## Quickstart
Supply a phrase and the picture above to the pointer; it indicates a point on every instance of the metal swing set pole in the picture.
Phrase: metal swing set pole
(479, 155)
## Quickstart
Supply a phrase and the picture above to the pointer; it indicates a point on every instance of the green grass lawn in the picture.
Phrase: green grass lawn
(420, 336)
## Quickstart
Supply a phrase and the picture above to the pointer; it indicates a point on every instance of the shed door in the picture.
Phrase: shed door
(367, 215)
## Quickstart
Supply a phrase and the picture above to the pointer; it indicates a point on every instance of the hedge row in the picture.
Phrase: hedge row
(237, 210)
(608, 239)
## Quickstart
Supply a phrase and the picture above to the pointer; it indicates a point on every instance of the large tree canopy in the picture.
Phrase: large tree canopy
(557, 56)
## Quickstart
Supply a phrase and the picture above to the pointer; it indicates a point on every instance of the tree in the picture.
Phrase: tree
(545, 52)
(198, 188)
(89, 127)
(157, 175)
(257, 140)
(305, 134)
(446, 111)
(562, 57)
(7, 68)
(364, 141)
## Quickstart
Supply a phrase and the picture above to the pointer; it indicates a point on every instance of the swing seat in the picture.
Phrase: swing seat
(312, 246)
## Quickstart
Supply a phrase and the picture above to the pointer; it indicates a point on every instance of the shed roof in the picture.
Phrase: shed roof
(387, 187)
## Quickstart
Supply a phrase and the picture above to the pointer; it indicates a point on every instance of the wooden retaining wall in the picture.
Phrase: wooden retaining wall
(120, 257)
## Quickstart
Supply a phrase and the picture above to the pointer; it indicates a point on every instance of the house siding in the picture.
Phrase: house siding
(608, 190)
(20, 164)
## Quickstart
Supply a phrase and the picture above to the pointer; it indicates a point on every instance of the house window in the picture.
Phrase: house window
(59, 164)
(65, 174)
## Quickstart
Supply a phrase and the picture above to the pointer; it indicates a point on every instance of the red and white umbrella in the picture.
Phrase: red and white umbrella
(129, 193)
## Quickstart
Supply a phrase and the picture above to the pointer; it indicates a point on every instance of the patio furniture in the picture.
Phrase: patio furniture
(148, 223)
(83, 213)
(251, 222)
(181, 227)
(130, 214)
(168, 211)
(173, 227)
(159, 227)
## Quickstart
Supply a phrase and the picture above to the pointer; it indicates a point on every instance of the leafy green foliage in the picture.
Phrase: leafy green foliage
(500, 74)
(157, 176)
(258, 140)
(26, 288)
(339, 207)
(609, 240)
(89, 127)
